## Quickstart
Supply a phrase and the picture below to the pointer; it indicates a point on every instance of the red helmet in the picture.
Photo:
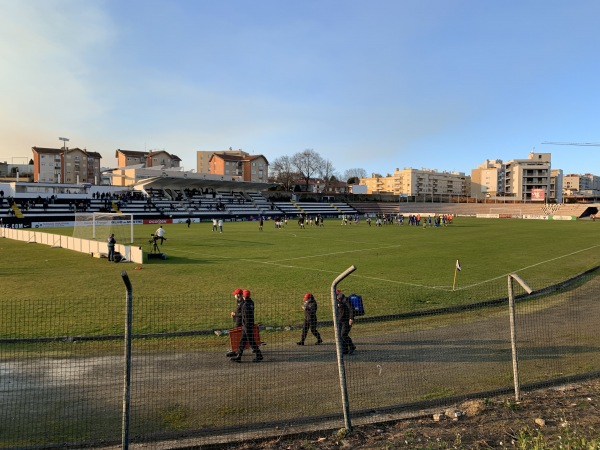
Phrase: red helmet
(307, 296)
(238, 291)
(246, 293)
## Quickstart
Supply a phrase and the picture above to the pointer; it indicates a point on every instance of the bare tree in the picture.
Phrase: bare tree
(326, 171)
(283, 172)
(307, 163)
(354, 173)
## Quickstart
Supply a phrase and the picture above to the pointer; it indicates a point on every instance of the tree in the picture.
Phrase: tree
(307, 163)
(326, 171)
(354, 173)
(282, 171)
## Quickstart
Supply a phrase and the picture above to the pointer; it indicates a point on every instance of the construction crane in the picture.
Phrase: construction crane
(580, 144)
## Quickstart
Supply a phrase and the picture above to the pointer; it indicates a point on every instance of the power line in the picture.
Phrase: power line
(580, 144)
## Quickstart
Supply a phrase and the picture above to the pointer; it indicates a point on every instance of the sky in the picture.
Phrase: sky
(376, 85)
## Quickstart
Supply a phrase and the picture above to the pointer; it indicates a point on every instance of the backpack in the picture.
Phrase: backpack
(357, 304)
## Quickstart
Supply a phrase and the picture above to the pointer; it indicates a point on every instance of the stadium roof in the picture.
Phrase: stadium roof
(166, 182)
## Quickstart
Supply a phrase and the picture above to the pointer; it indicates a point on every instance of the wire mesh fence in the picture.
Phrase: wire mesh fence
(62, 361)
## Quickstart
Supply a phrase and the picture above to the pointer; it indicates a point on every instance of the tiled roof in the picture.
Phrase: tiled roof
(131, 153)
(137, 154)
(56, 151)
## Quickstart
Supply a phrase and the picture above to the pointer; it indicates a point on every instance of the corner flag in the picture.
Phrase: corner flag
(456, 270)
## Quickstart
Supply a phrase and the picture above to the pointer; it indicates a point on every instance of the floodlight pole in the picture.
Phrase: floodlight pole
(513, 332)
(338, 347)
(63, 169)
(127, 371)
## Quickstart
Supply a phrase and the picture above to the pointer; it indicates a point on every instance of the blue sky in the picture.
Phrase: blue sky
(377, 84)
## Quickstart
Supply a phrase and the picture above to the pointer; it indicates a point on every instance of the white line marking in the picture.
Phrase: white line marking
(384, 280)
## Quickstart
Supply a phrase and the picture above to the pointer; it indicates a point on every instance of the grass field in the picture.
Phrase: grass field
(399, 269)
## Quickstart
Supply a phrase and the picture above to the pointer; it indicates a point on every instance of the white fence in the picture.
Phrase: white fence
(95, 248)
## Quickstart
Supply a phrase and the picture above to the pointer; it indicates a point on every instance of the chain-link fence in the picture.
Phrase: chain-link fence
(62, 362)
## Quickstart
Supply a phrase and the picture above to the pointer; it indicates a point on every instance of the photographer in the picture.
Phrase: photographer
(160, 234)
(111, 241)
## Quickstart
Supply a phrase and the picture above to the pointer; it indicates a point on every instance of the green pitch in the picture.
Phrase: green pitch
(399, 269)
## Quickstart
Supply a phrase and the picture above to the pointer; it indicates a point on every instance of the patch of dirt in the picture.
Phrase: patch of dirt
(558, 417)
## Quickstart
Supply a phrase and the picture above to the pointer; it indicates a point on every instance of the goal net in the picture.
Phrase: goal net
(98, 226)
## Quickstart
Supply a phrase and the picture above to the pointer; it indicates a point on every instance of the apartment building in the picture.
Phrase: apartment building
(64, 165)
(129, 160)
(203, 158)
(246, 167)
(556, 185)
(417, 182)
(586, 185)
(488, 180)
(152, 158)
(528, 179)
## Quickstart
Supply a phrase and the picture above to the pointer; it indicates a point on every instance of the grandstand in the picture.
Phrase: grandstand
(294, 208)
(169, 199)
(161, 199)
(376, 208)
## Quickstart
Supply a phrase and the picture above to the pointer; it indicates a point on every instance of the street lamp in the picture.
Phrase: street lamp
(65, 140)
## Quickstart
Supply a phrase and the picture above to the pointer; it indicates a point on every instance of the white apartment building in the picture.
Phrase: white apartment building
(528, 179)
(556, 185)
(415, 182)
(488, 180)
(586, 185)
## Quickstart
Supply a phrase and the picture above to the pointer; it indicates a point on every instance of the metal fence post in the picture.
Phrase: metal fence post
(513, 331)
(338, 347)
(127, 370)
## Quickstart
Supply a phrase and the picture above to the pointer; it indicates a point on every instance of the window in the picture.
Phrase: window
(253, 164)
(226, 171)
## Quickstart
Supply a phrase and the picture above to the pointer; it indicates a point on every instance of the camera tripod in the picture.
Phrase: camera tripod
(155, 247)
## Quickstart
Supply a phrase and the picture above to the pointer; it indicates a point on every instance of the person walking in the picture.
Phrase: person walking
(236, 315)
(261, 223)
(111, 241)
(247, 310)
(345, 320)
(214, 224)
(220, 225)
(310, 319)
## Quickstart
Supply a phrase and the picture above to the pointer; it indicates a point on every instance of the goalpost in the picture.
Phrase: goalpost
(513, 212)
(98, 226)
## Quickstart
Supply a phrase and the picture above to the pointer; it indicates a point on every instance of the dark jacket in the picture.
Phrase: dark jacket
(248, 313)
(238, 313)
(345, 309)
(310, 309)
